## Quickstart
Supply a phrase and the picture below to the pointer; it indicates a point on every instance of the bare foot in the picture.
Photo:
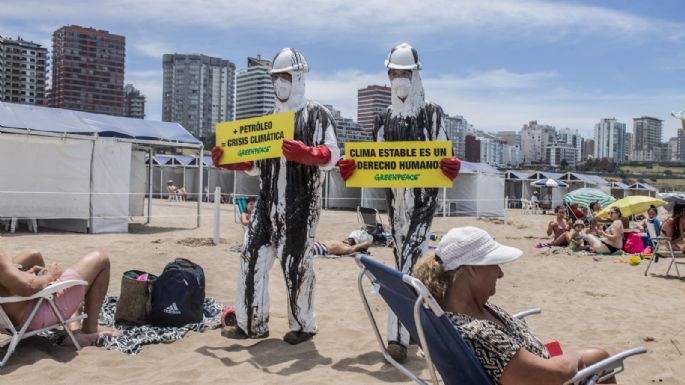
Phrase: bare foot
(87, 339)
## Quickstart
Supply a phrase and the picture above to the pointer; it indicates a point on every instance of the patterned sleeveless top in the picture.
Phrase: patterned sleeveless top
(494, 344)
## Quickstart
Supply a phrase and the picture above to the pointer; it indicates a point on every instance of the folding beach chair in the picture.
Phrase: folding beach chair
(663, 248)
(371, 222)
(443, 347)
(6, 326)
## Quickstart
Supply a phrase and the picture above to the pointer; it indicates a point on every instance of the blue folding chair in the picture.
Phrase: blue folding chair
(443, 347)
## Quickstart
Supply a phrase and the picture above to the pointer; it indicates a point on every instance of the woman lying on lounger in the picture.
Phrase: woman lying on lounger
(611, 239)
(26, 274)
(462, 276)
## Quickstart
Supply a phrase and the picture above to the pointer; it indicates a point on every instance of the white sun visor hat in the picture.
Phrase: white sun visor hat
(289, 60)
(403, 57)
(472, 246)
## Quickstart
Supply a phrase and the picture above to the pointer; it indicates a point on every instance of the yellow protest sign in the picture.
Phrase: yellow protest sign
(398, 164)
(254, 138)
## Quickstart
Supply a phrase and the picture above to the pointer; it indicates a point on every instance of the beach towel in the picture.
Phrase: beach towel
(133, 338)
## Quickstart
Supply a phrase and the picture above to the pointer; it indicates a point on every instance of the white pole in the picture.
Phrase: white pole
(444, 202)
(217, 213)
(149, 185)
(200, 185)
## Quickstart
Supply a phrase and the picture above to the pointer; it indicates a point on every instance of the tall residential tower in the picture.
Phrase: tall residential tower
(88, 70)
(198, 93)
(254, 90)
(23, 72)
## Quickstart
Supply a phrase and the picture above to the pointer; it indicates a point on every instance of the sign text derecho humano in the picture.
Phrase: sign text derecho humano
(398, 164)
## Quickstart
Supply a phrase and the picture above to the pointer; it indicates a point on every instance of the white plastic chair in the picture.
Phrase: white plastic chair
(11, 224)
(658, 250)
(8, 328)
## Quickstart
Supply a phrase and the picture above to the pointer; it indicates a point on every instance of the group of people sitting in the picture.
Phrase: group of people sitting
(588, 232)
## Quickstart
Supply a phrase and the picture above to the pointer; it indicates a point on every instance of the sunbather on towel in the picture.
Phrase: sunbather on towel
(26, 274)
(344, 247)
(462, 276)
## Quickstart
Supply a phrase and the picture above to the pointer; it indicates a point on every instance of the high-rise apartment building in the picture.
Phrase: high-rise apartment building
(347, 130)
(457, 127)
(681, 145)
(134, 102)
(609, 136)
(88, 70)
(588, 149)
(629, 147)
(534, 141)
(23, 72)
(647, 132)
(198, 93)
(371, 101)
(569, 138)
(254, 89)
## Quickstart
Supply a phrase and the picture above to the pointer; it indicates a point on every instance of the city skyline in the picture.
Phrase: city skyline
(505, 63)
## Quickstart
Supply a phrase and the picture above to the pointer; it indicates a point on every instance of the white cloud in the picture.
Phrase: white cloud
(374, 19)
(152, 49)
(149, 82)
(504, 100)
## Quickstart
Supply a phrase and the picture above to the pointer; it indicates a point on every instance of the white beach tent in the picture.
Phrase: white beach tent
(477, 191)
(79, 171)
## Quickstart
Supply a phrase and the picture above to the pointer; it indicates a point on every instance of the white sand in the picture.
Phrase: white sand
(585, 303)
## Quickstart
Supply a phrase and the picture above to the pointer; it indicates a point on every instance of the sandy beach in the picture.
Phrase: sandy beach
(585, 302)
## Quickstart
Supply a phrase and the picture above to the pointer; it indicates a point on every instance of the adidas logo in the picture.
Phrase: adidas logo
(172, 309)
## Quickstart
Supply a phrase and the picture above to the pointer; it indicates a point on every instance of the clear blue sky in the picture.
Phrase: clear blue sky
(499, 63)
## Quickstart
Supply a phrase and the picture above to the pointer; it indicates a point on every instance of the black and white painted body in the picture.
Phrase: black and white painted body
(284, 221)
(410, 210)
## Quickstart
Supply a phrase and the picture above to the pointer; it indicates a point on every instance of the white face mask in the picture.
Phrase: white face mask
(282, 88)
(401, 86)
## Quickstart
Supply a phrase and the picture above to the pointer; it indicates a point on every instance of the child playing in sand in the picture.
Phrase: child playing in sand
(576, 240)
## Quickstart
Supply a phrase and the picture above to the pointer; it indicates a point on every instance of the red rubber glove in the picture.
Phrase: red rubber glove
(347, 167)
(450, 167)
(217, 152)
(296, 151)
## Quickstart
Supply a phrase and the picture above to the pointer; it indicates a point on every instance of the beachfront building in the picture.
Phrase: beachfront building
(371, 101)
(647, 132)
(457, 127)
(534, 141)
(347, 130)
(254, 89)
(559, 152)
(609, 137)
(673, 149)
(88, 70)
(197, 92)
(681, 145)
(573, 139)
(588, 149)
(511, 155)
(23, 71)
(134, 102)
(482, 147)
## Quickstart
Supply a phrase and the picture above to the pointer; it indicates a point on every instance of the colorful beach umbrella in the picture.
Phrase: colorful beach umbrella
(586, 196)
(549, 183)
(632, 205)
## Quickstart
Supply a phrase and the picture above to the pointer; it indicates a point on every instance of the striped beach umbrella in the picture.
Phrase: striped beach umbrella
(585, 196)
(548, 183)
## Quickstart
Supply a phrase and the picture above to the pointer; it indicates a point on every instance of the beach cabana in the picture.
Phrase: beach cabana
(517, 187)
(642, 188)
(577, 180)
(477, 191)
(337, 196)
(79, 171)
(619, 189)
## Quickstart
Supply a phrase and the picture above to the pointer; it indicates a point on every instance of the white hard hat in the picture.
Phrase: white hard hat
(289, 60)
(403, 57)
